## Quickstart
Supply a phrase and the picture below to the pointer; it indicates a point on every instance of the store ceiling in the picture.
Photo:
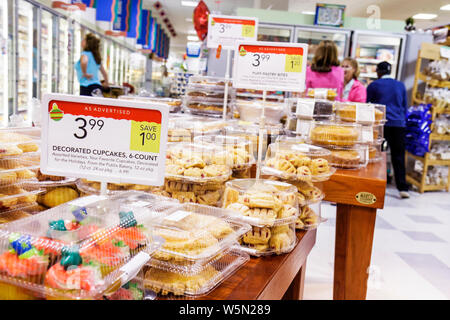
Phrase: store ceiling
(389, 9)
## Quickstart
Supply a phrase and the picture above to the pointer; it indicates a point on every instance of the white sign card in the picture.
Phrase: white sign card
(226, 30)
(270, 66)
(108, 140)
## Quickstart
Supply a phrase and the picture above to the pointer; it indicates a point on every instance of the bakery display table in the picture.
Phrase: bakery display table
(358, 194)
(270, 277)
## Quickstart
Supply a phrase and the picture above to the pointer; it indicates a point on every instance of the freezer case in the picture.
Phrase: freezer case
(46, 52)
(63, 62)
(313, 36)
(76, 56)
(4, 81)
(275, 33)
(371, 48)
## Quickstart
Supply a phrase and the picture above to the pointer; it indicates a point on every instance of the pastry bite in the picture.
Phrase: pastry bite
(349, 112)
(270, 240)
(350, 158)
(309, 218)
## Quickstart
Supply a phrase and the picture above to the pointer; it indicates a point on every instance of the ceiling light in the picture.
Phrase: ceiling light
(189, 19)
(191, 31)
(446, 7)
(309, 12)
(424, 16)
(189, 3)
(192, 38)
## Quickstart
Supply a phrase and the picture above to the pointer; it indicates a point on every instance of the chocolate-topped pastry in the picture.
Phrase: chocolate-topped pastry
(322, 108)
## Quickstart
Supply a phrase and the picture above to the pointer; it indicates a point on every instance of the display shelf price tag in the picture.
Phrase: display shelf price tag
(108, 140)
(226, 30)
(270, 66)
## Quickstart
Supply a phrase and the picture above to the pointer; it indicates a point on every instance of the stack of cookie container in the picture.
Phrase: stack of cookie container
(205, 96)
(271, 208)
(195, 173)
(303, 166)
(19, 160)
(184, 128)
(200, 251)
(82, 249)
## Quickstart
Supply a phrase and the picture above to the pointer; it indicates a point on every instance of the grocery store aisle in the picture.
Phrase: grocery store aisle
(411, 250)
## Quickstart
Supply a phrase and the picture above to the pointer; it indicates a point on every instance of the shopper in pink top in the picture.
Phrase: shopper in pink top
(325, 70)
(354, 91)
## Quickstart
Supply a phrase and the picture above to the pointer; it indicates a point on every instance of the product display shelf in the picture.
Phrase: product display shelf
(429, 52)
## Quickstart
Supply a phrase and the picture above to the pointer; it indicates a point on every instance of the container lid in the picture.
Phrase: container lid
(338, 134)
(322, 93)
(354, 157)
(167, 282)
(15, 141)
(261, 202)
(242, 104)
(209, 81)
(293, 161)
(363, 113)
(196, 163)
(319, 109)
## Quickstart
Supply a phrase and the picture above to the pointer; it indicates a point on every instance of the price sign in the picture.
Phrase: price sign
(101, 139)
(226, 30)
(270, 66)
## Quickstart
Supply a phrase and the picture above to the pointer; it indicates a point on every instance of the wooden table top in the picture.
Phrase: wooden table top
(265, 278)
(344, 185)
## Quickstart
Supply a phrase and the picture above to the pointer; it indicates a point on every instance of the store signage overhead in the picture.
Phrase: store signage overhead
(226, 30)
(106, 140)
(270, 66)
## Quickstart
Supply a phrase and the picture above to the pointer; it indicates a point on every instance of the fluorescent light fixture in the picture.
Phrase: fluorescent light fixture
(424, 16)
(192, 38)
(189, 3)
(192, 31)
(309, 12)
(446, 7)
(188, 19)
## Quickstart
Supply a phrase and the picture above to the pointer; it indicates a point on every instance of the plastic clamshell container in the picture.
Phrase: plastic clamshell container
(19, 212)
(196, 163)
(174, 105)
(209, 81)
(292, 161)
(349, 158)
(375, 151)
(264, 241)
(16, 141)
(194, 234)
(311, 109)
(206, 106)
(201, 91)
(102, 235)
(363, 113)
(93, 187)
(238, 151)
(252, 111)
(335, 134)
(172, 283)
(132, 290)
(256, 96)
(310, 217)
(17, 194)
(261, 202)
(15, 169)
(322, 93)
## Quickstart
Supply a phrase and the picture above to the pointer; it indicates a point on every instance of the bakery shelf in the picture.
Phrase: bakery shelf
(426, 187)
(441, 137)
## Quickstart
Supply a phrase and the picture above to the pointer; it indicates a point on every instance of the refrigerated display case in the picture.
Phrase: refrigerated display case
(46, 53)
(4, 81)
(275, 33)
(313, 36)
(63, 61)
(371, 48)
(26, 52)
(76, 57)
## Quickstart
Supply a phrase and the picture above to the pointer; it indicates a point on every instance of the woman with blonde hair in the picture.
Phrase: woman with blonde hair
(325, 70)
(354, 91)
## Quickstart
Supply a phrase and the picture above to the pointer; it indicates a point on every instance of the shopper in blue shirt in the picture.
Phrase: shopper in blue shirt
(392, 94)
(89, 66)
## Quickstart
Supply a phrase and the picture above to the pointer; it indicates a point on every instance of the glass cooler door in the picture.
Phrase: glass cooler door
(63, 79)
(76, 57)
(46, 52)
(369, 49)
(313, 37)
(275, 33)
(4, 63)
(26, 55)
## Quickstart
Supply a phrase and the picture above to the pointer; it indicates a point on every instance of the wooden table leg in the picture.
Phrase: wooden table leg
(295, 290)
(353, 249)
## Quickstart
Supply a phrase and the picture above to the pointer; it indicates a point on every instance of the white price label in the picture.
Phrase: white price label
(270, 66)
(226, 30)
(178, 215)
(305, 108)
(445, 52)
(365, 113)
(320, 93)
(303, 127)
(84, 201)
(367, 134)
(101, 139)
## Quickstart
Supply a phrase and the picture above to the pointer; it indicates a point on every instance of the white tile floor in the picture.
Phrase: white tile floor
(410, 255)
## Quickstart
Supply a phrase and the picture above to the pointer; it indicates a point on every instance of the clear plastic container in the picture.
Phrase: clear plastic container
(252, 110)
(309, 108)
(261, 202)
(238, 152)
(16, 141)
(292, 161)
(173, 104)
(337, 134)
(167, 282)
(93, 187)
(196, 163)
(259, 96)
(207, 193)
(349, 158)
(15, 169)
(201, 91)
(194, 234)
(309, 217)
(363, 113)
(17, 194)
(322, 93)
(376, 151)
(263, 241)
(77, 250)
(20, 212)
(132, 290)
(57, 193)
(206, 106)
(209, 81)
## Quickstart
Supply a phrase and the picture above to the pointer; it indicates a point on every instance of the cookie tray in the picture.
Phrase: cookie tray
(198, 284)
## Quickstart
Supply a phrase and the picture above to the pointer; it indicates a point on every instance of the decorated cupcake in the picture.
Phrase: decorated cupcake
(130, 291)
(72, 278)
